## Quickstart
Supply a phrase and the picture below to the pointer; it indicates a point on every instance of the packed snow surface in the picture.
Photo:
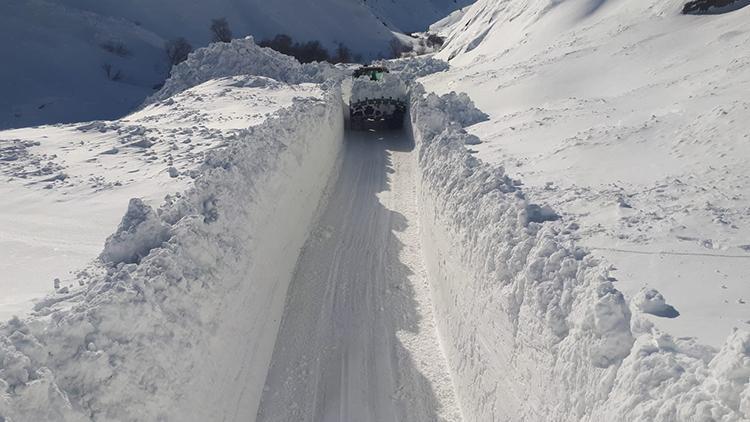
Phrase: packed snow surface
(358, 340)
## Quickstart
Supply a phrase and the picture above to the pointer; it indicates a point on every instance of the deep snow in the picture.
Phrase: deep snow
(530, 325)
(625, 117)
(66, 187)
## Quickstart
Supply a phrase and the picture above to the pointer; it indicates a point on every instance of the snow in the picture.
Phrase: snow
(391, 85)
(624, 118)
(222, 257)
(533, 325)
(66, 187)
(444, 25)
(358, 341)
(514, 255)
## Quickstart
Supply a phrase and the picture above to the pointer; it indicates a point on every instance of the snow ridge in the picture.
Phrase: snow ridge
(532, 325)
(176, 317)
(240, 57)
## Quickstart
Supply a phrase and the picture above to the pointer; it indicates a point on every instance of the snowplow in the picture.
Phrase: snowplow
(378, 99)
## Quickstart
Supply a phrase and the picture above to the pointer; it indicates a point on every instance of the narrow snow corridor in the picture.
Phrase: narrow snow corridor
(358, 340)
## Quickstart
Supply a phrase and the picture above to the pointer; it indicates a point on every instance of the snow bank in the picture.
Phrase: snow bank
(532, 325)
(181, 325)
(240, 57)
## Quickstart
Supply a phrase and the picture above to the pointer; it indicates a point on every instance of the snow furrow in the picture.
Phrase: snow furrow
(358, 340)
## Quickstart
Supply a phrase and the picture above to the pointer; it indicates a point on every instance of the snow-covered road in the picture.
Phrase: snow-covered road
(358, 339)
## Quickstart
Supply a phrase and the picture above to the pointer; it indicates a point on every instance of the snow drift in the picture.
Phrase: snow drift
(532, 325)
(626, 117)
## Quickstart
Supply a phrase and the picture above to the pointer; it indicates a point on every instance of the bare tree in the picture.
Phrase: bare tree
(398, 48)
(343, 54)
(111, 73)
(115, 47)
(220, 30)
(178, 50)
(281, 42)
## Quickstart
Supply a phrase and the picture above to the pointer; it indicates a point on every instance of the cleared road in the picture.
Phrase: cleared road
(358, 340)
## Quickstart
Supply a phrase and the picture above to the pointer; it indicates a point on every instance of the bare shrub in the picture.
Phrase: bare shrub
(220, 30)
(177, 50)
(343, 54)
(311, 51)
(115, 47)
(111, 73)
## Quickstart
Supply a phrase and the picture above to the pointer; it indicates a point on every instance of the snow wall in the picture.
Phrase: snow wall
(533, 327)
(183, 324)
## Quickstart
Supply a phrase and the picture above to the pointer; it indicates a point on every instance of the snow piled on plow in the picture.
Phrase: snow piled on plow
(532, 325)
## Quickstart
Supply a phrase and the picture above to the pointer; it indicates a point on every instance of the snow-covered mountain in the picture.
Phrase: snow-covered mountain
(635, 107)
(564, 238)
(74, 60)
(413, 15)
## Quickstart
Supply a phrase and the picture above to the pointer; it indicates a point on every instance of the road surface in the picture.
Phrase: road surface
(358, 340)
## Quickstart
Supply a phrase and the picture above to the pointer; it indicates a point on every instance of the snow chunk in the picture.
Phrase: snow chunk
(415, 67)
(461, 109)
(139, 231)
(650, 301)
(540, 214)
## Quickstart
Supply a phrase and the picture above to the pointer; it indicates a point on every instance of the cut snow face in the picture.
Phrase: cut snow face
(626, 119)
(66, 187)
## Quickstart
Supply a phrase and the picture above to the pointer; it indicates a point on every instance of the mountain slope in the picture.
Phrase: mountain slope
(627, 119)
(414, 15)
(55, 65)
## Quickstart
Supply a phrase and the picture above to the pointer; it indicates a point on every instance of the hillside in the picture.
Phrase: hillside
(414, 15)
(627, 119)
(55, 67)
